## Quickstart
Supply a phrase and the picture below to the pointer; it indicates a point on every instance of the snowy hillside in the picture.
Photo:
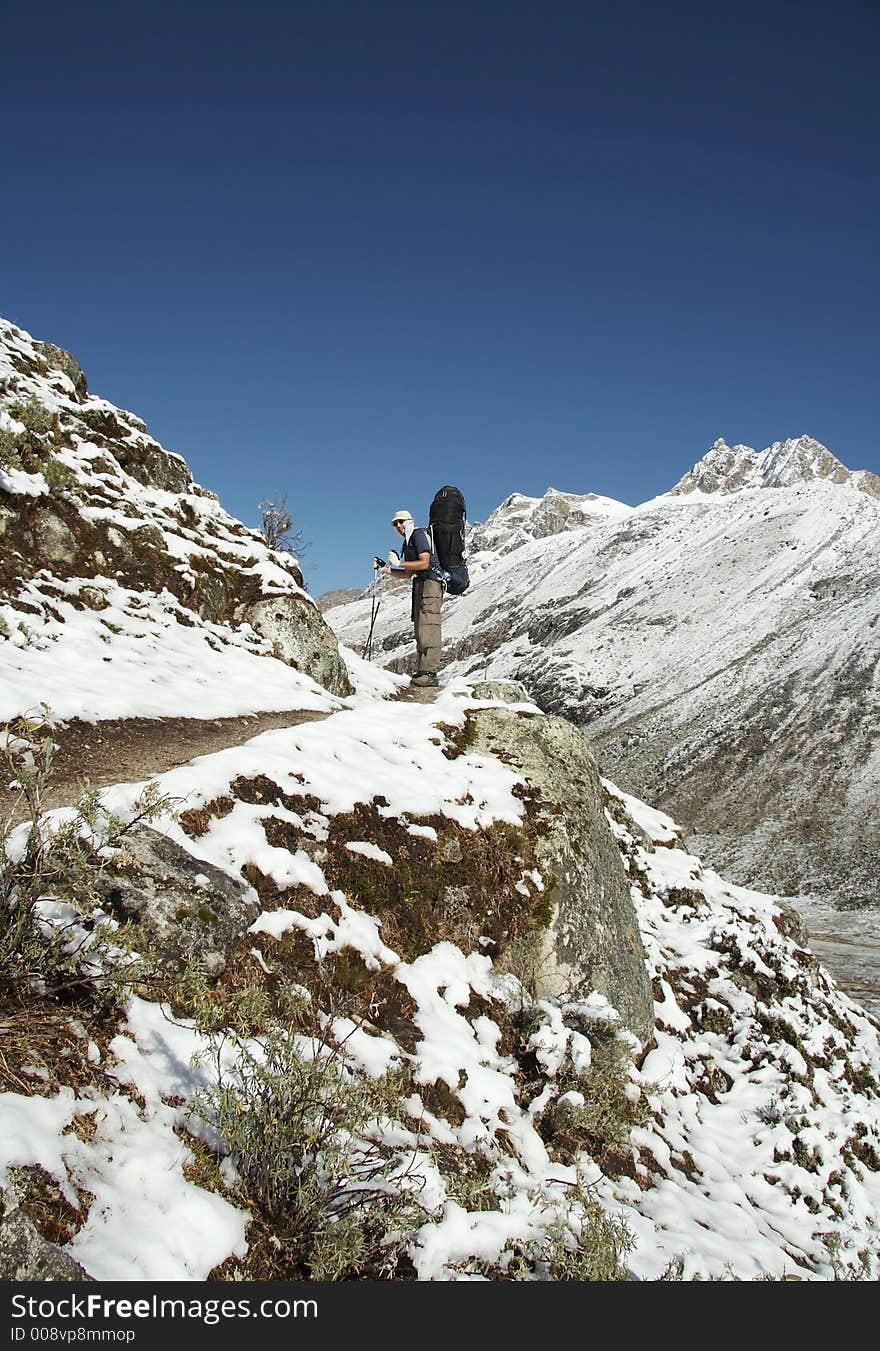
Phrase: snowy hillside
(114, 561)
(745, 1144)
(410, 991)
(721, 648)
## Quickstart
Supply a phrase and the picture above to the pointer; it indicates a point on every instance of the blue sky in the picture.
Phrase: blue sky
(352, 251)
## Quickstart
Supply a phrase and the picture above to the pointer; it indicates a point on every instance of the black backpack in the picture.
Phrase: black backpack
(446, 521)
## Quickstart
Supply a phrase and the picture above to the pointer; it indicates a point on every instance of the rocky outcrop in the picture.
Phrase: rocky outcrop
(580, 922)
(184, 909)
(25, 1255)
(88, 496)
(298, 633)
(593, 941)
(57, 359)
(801, 459)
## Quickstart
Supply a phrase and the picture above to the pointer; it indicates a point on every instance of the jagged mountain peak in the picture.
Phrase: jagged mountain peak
(784, 464)
(520, 518)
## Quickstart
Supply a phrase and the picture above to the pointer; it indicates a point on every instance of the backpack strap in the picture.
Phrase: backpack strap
(436, 574)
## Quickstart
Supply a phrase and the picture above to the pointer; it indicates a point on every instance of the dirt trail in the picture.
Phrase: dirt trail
(416, 694)
(125, 750)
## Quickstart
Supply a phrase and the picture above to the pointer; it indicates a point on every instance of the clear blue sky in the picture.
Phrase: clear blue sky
(353, 251)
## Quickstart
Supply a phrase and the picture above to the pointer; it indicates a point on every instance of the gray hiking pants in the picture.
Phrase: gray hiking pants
(427, 597)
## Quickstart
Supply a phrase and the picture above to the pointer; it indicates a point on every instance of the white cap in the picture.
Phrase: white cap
(401, 515)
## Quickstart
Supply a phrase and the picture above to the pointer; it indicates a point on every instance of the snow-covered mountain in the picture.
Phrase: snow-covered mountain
(402, 989)
(521, 519)
(729, 469)
(722, 647)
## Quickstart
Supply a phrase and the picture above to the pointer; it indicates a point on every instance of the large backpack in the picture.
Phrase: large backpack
(446, 520)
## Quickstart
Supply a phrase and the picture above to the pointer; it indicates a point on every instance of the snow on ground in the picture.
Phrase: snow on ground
(746, 1158)
(134, 659)
(760, 1151)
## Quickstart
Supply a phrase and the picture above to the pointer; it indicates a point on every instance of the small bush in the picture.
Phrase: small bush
(301, 1128)
(470, 1178)
(529, 960)
(54, 945)
(10, 455)
(589, 1246)
(58, 475)
(277, 527)
(35, 417)
(600, 1119)
(584, 1243)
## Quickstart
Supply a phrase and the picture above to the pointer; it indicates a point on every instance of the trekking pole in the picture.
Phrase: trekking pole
(377, 601)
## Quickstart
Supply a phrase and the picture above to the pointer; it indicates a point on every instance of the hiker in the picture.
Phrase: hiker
(419, 561)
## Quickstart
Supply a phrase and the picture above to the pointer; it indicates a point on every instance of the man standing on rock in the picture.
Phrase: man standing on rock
(419, 561)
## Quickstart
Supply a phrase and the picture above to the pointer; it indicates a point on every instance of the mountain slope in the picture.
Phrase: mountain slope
(105, 535)
(723, 651)
(381, 862)
(538, 1038)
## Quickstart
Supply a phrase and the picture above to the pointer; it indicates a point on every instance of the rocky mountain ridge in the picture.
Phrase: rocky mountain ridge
(784, 464)
(520, 519)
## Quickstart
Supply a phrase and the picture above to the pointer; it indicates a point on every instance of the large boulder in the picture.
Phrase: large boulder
(593, 942)
(301, 637)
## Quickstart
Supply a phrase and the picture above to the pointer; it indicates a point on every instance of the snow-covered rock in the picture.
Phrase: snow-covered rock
(729, 469)
(521, 519)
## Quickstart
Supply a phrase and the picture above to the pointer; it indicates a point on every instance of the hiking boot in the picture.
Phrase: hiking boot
(424, 678)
